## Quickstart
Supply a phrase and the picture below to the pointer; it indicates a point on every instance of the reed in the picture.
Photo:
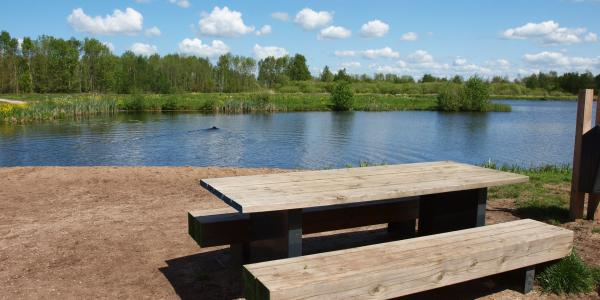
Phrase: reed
(57, 106)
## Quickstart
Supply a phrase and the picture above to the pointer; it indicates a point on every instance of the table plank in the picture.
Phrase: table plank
(294, 190)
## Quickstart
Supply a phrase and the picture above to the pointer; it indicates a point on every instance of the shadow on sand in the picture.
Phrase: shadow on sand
(207, 275)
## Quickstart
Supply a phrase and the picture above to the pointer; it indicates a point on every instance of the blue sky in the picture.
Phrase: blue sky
(406, 37)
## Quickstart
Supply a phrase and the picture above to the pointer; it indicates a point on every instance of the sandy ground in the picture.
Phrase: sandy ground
(121, 232)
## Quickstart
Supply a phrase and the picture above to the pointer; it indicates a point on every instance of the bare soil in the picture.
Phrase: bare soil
(121, 232)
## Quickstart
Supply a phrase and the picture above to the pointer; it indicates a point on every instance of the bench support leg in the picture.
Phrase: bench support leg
(529, 274)
(240, 254)
(451, 211)
(402, 230)
(286, 227)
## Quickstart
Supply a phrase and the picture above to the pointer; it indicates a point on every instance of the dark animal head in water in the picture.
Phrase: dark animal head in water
(213, 128)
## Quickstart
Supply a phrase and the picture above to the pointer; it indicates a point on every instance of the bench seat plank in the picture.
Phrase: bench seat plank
(405, 267)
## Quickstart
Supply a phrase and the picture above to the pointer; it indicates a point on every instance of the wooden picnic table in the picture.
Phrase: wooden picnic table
(452, 195)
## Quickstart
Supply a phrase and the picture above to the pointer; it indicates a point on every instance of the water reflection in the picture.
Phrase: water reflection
(534, 133)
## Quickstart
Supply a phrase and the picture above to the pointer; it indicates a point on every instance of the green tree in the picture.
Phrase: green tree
(476, 94)
(451, 97)
(326, 75)
(341, 75)
(342, 97)
(298, 70)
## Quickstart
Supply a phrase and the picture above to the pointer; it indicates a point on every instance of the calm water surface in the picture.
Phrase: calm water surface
(534, 133)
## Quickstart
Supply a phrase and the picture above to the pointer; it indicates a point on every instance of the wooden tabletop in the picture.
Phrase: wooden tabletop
(293, 190)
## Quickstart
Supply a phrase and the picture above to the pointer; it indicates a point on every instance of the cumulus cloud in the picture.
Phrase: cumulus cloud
(195, 47)
(180, 3)
(344, 53)
(548, 59)
(310, 19)
(224, 22)
(143, 49)
(261, 52)
(281, 16)
(334, 32)
(550, 32)
(590, 37)
(152, 32)
(375, 28)
(500, 63)
(266, 29)
(350, 64)
(109, 45)
(409, 36)
(128, 22)
(385, 52)
(421, 56)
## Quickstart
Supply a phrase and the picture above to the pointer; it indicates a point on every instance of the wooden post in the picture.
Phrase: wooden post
(593, 213)
(583, 125)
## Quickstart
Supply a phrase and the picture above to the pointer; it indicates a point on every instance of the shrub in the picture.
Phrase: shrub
(476, 94)
(571, 276)
(450, 98)
(342, 96)
(134, 103)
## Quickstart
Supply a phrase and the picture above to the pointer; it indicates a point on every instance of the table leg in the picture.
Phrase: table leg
(402, 230)
(285, 228)
(452, 211)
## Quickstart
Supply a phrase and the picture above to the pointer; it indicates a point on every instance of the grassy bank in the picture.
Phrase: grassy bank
(536, 97)
(60, 106)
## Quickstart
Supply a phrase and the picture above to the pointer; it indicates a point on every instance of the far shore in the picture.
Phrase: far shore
(121, 232)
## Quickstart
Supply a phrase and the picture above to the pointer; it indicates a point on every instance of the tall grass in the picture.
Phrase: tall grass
(48, 107)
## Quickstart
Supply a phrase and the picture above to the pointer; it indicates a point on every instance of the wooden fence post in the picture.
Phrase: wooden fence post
(583, 125)
(593, 213)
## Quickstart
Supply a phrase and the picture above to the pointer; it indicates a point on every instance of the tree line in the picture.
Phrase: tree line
(54, 65)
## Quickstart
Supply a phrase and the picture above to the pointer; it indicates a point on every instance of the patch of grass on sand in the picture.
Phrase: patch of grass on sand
(569, 276)
(545, 197)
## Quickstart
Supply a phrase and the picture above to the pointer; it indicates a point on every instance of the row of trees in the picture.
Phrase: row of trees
(54, 65)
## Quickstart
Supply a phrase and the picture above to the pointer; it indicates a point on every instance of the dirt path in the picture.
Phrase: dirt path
(12, 101)
(121, 232)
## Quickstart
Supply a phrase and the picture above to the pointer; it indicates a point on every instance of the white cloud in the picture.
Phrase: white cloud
(281, 16)
(128, 22)
(143, 49)
(195, 47)
(375, 28)
(180, 3)
(109, 45)
(224, 22)
(344, 53)
(421, 56)
(409, 36)
(350, 64)
(550, 32)
(591, 37)
(152, 32)
(266, 29)
(310, 19)
(261, 52)
(334, 32)
(548, 59)
(459, 61)
(386, 52)
(500, 63)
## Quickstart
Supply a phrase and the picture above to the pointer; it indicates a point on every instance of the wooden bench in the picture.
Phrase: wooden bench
(404, 267)
(226, 226)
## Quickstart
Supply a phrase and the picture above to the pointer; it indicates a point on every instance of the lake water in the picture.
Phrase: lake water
(534, 133)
